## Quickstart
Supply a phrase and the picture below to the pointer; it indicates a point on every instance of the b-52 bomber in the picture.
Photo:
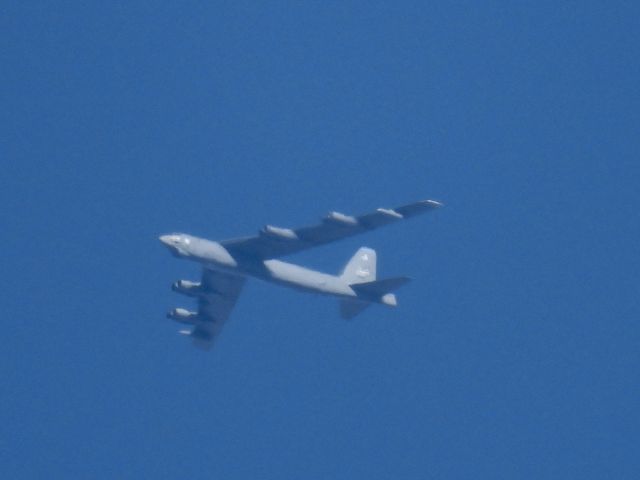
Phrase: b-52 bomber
(227, 264)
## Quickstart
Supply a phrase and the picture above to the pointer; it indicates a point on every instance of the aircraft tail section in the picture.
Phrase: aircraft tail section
(360, 274)
(361, 268)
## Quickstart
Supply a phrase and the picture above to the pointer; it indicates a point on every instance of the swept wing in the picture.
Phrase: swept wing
(273, 242)
(219, 295)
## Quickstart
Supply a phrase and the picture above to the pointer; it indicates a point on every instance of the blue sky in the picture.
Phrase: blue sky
(514, 354)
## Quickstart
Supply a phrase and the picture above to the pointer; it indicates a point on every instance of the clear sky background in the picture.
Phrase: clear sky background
(514, 354)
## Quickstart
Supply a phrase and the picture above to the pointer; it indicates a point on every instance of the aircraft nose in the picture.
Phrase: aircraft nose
(166, 239)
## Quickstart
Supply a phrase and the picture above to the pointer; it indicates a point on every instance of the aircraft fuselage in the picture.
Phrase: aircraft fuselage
(214, 256)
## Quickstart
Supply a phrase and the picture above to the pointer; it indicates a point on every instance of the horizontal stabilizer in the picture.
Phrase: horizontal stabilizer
(350, 308)
(379, 288)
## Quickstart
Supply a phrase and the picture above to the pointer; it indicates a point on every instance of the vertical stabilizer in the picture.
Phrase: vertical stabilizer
(361, 268)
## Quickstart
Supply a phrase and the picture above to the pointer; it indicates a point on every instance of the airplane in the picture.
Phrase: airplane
(227, 264)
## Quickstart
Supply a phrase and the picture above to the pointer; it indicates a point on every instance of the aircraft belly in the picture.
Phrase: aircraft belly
(305, 279)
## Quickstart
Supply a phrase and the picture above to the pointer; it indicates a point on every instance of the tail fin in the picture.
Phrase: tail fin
(361, 268)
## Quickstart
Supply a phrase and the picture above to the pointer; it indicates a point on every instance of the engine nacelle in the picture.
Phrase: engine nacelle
(388, 212)
(183, 315)
(186, 287)
(277, 232)
(341, 218)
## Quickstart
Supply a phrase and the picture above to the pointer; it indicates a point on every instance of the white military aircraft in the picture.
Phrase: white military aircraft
(226, 264)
